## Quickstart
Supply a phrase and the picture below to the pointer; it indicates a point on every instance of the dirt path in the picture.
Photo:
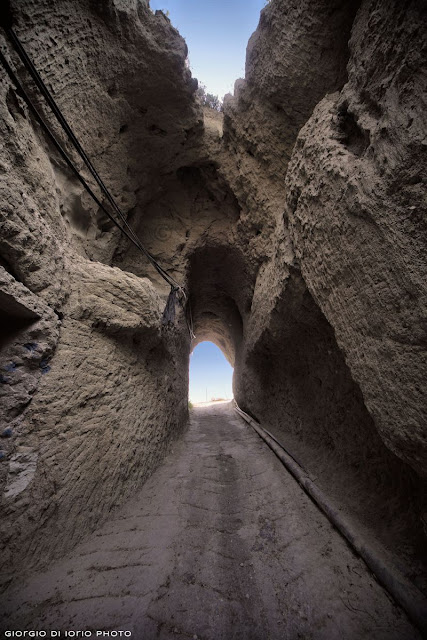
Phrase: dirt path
(220, 543)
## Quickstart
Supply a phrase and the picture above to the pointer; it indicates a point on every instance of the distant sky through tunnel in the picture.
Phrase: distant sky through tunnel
(210, 374)
(216, 32)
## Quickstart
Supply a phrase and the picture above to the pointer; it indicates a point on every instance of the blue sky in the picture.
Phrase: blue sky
(209, 372)
(216, 32)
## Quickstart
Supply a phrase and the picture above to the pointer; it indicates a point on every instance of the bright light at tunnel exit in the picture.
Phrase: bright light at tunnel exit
(210, 374)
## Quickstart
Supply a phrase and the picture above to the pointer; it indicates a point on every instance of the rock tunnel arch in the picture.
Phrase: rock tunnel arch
(220, 289)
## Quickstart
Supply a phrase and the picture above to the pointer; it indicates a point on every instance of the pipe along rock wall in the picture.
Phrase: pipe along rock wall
(295, 223)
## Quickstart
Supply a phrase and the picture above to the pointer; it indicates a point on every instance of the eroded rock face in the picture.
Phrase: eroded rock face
(356, 206)
(295, 225)
(29, 335)
(334, 347)
(93, 389)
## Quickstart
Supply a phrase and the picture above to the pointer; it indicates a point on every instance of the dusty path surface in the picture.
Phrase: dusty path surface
(220, 543)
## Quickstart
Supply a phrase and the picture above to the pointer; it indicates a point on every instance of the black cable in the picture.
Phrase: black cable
(59, 148)
(64, 124)
(127, 231)
(189, 319)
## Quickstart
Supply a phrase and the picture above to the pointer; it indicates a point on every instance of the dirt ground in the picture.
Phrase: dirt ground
(220, 543)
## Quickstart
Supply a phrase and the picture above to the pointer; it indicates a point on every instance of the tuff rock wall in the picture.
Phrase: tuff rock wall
(295, 222)
(334, 353)
(93, 389)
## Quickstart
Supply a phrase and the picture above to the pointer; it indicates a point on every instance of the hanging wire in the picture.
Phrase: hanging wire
(177, 291)
(21, 91)
(189, 320)
(67, 129)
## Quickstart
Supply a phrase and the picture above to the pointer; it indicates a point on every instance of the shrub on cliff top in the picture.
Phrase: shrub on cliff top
(208, 99)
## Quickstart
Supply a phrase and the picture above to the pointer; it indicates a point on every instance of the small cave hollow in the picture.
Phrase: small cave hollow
(14, 319)
(350, 133)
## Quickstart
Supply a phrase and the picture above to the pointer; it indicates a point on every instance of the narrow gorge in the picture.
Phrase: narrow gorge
(295, 221)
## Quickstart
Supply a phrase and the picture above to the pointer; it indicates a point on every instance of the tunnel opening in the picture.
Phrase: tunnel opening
(221, 287)
(210, 374)
(221, 290)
